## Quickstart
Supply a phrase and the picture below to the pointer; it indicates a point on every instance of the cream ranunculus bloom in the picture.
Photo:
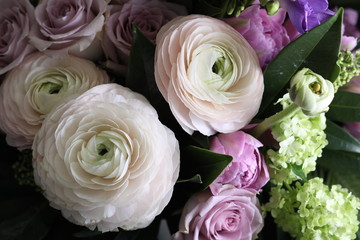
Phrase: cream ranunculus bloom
(208, 73)
(105, 160)
(36, 86)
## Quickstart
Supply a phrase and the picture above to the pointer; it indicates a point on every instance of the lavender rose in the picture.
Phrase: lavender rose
(306, 14)
(17, 23)
(70, 25)
(248, 169)
(105, 160)
(148, 15)
(38, 85)
(233, 214)
(208, 73)
(265, 33)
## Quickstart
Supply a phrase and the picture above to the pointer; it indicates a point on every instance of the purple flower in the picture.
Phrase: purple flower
(148, 16)
(248, 169)
(17, 23)
(265, 33)
(70, 26)
(232, 214)
(307, 14)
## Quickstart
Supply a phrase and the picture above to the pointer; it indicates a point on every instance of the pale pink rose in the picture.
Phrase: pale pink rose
(265, 33)
(233, 214)
(208, 73)
(17, 23)
(38, 85)
(105, 160)
(248, 169)
(70, 26)
(148, 15)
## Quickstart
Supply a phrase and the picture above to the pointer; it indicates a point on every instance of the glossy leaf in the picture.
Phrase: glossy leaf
(345, 107)
(297, 170)
(349, 181)
(140, 78)
(318, 50)
(340, 161)
(209, 165)
(339, 139)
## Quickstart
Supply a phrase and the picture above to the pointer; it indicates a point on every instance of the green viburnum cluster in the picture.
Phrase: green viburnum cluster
(301, 140)
(315, 211)
(349, 64)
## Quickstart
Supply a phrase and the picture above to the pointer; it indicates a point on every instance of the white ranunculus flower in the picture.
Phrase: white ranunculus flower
(36, 86)
(208, 73)
(311, 92)
(105, 160)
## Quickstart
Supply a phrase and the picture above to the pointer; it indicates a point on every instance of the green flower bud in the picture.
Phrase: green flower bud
(272, 7)
(311, 92)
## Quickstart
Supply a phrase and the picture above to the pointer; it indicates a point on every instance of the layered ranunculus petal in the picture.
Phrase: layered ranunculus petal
(105, 160)
(208, 73)
(38, 85)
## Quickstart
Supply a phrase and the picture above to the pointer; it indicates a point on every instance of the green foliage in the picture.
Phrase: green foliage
(318, 50)
(209, 165)
(345, 107)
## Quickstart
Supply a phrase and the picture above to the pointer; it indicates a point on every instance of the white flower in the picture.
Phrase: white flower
(105, 160)
(36, 86)
(311, 92)
(208, 73)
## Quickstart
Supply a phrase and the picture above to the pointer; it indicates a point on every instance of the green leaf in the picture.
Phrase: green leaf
(349, 181)
(345, 107)
(297, 170)
(215, 9)
(340, 161)
(32, 224)
(194, 179)
(340, 139)
(140, 78)
(209, 165)
(201, 140)
(318, 50)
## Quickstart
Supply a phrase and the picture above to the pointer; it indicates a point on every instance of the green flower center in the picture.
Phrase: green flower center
(51, 87)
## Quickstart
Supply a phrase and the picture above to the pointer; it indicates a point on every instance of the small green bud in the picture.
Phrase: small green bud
(311, 92)
(272, 7)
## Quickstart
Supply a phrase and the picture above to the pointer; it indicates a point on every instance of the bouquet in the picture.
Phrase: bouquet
(194, 119)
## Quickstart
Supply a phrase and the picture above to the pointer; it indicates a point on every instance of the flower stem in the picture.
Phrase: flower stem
(274, 119)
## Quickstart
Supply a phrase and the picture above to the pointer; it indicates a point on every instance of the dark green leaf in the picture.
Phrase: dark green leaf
(345, 107)
(194, 179)
(318, 50)
(209, 165)
(340, 161)
(297, 170)
(201, 140)
(349, 181)
(32, 224)
(339, 139)
(215, 9)
(140, 78)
